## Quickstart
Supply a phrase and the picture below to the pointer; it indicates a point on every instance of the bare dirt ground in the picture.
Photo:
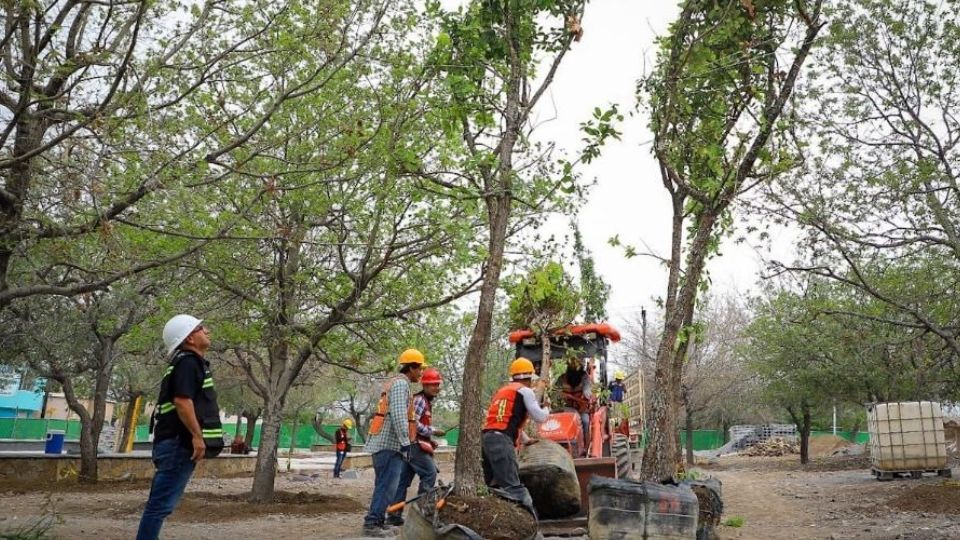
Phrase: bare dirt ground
(309, 507)
(834, 498)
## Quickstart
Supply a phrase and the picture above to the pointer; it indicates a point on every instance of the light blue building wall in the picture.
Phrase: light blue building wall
(15, 402)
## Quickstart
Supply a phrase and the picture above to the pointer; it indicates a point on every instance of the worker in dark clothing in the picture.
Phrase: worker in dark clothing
(342, 442)
(576, 392)
(503, 432)
(187, 426)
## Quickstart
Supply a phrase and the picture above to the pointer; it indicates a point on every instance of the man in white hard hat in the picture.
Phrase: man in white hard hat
(187, 420)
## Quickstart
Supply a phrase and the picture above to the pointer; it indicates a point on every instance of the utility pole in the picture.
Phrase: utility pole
(643, 330)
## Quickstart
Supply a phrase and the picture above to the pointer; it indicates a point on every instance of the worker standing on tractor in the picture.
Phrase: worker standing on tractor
(421, 461)
(617, 389)
(342, 441)
(187, 420)
(392, 432)
(576, 390)
(503, 431)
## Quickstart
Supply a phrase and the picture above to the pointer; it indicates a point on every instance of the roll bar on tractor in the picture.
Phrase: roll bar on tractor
(581, 341)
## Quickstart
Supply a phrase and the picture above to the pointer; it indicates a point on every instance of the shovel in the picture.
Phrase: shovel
(440, 504)
(399, 506)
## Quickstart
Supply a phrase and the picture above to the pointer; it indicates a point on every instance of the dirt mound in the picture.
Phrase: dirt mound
(943, 498)
(204, 507)
(491, 517)
(772, 448)
(825, 445)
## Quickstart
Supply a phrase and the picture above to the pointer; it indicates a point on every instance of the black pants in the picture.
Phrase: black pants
(500, 469)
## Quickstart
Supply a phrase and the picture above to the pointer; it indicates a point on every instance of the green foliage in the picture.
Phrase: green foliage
(544, 299)
(877, 198)
(734, 521)
(830, 344)
(595, 291)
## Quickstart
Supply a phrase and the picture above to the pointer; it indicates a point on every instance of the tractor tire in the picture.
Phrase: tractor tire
(620, 449)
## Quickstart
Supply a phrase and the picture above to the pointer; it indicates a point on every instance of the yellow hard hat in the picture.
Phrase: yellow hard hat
(619, 375)
(348, 423)
(521, 368)
(411, 356)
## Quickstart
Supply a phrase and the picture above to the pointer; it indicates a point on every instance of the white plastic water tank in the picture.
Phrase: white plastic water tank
(907, 436)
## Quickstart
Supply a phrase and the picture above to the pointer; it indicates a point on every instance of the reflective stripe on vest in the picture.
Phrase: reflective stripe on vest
(502, 406)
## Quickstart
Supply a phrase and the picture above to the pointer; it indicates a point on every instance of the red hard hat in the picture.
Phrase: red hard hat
(431, 376)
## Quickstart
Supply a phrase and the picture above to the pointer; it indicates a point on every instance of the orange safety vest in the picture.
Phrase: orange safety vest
(502, 414)
(383, 409)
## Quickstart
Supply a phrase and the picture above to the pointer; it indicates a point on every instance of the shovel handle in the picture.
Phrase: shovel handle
(396, 506)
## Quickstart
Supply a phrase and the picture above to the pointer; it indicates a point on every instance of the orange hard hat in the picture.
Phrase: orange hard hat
(521, 368)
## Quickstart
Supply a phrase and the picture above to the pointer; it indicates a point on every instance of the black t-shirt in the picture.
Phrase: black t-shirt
(186, 381)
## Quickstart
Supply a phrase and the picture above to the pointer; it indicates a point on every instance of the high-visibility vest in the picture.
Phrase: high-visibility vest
(383, 409)
(204, 405)
(427, 417)
(507, 412)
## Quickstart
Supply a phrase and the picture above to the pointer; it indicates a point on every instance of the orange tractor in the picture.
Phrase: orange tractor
(596, 448)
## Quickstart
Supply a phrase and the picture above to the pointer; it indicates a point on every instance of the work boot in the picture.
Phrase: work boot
(376, 532)
(395, 519)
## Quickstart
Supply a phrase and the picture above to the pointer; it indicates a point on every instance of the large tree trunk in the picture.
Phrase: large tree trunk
(468, 474)
(662, 453)
(266, 471)
(91, 425)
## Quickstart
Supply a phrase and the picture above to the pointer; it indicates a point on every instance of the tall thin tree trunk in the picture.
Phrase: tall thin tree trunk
(659, 460)
(293, 440)
(91, 424)
(468, 472)
(689, 422)
(547, 361)
(252, 417)
(805, 435)
(266, 470)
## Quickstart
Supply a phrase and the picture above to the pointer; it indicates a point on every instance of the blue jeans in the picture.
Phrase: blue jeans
(387, 465)
(174, 468)
(341, 455)
(422, 465)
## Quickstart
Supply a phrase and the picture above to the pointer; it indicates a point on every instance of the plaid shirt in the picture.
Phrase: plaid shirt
(420, 405)
(395, 423)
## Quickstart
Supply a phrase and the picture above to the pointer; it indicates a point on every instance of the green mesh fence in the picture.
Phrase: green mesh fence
(36, 429)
